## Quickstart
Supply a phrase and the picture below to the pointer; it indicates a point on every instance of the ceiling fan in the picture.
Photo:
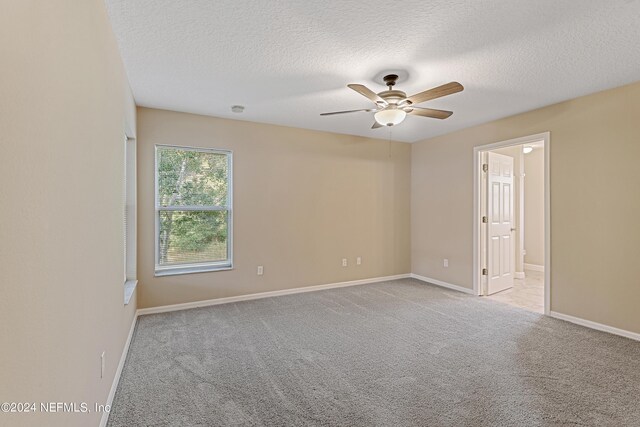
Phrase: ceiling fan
(392, 106)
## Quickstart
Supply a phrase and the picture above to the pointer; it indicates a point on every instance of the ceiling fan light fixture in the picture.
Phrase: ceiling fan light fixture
(390, 116)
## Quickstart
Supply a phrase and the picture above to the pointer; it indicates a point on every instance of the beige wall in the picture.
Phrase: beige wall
(63, 102)
(534, 207)
(594, 208)
(303, 200)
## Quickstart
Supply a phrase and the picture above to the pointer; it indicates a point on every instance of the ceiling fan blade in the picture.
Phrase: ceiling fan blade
(376, 125)
(365, 91)
(345, 112)
(436, 92)
(428, 112)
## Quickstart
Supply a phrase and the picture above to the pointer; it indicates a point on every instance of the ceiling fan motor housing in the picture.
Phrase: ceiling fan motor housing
(393, 96)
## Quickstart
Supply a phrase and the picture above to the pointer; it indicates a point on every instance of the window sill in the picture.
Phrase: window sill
(129, 287)
(192, 269)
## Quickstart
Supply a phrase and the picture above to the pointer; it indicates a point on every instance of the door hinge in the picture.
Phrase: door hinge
(485, 168)
(485, 272)
(485, 220)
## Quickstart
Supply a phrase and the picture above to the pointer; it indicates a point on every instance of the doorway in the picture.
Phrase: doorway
(511, 222)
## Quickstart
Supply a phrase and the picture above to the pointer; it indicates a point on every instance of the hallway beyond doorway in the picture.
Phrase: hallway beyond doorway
(527, 293)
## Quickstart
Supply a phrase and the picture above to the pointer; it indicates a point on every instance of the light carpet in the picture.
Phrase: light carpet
(400, 353)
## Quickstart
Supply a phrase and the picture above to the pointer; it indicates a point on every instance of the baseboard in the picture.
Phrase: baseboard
(226, 300)
(442, 284)
(519, 275)
(596, 326)
(534, 267)
(116, 379)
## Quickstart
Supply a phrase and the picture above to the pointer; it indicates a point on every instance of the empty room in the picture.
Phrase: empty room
(330, 213)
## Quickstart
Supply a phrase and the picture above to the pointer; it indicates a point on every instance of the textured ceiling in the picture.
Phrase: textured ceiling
(287, 61)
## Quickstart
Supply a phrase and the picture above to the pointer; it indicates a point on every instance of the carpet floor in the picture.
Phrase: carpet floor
(400, 353)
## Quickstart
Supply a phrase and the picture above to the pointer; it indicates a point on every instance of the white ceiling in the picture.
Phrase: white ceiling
(287, 61)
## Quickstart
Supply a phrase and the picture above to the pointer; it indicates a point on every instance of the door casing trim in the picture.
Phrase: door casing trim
(477, 218)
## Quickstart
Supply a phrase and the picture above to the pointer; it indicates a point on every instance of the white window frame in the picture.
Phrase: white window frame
(200, 267)
(130, 232)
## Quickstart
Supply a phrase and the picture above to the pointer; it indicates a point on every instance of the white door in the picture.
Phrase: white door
(500, 236)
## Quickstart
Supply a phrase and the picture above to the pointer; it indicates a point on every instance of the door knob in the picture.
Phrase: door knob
(513, 229)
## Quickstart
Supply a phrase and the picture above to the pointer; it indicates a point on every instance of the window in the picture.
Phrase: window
(193, 210)
(129, 225)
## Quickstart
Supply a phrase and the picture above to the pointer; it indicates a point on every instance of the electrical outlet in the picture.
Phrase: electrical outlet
(446, 262)
(102, 361)
(358, 260)
(260, 270)
(344, 262)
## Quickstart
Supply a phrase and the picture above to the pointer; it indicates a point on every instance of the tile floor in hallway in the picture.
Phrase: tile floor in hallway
(527, 293)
